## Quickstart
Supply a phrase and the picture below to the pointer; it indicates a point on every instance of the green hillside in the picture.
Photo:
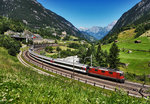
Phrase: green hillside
(138, 17)
(19, 84)
(137, 60)
(36, 16)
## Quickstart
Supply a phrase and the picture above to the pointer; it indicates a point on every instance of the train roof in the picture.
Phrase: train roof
(67, 62)
(58, 60)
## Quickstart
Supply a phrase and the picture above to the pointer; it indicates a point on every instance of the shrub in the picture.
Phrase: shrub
(49, 49)
(74, 45)
(12, 45)
(58, 49)
(12, 51)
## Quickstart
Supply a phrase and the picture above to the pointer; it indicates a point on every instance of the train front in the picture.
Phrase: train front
(122, 77)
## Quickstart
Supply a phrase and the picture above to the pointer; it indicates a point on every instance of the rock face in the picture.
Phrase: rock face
(139, 13)
(35, 15)
(96, 32)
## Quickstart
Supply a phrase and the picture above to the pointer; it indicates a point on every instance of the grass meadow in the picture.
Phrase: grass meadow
(137, 60)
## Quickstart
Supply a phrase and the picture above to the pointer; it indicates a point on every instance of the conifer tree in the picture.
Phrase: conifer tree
(100, 56)
(105, 58)
(113, 58)
(82, 54)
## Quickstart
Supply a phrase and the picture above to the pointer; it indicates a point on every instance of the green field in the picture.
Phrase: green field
(138, 60)
(21, 85)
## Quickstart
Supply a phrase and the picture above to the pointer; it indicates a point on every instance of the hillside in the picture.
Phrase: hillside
(89, 37)
(34, 15)
(135, 55)
(19, 84)
(133, 26)
(137, 17)
(138, 14)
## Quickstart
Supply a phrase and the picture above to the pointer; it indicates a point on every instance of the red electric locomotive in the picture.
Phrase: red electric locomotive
(107, 73)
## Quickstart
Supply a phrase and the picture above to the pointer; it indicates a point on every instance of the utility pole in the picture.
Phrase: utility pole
(26, 39)
(73, 66)
(91, 59)
(42, 62)
(59, 54)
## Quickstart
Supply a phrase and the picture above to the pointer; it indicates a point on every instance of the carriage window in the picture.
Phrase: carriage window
(103, 71)
(110, 72)
(96, 70)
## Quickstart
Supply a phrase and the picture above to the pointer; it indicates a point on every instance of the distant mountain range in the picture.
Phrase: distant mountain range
(34, 15)
(96, 31)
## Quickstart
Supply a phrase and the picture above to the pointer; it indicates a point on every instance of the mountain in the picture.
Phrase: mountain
(138, 14)
(96, 31)
(137, 17)
(89, 37)
(34, 15)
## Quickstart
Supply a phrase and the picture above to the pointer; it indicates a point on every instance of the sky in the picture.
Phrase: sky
(88, 13)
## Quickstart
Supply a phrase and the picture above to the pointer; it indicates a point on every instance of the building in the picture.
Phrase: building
(64, 33)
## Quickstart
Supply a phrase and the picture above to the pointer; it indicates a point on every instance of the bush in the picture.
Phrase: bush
(68, 52)
(42, 52)
(9, 24)
(12, 51)
(74, 45)
(67, 38)
(142, 28)
(58, 49)
(12, 45)
(49, 49)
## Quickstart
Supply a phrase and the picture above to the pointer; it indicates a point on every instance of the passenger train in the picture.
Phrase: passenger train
(97, 71)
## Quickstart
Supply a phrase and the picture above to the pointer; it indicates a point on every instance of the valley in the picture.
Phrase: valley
(108, 63)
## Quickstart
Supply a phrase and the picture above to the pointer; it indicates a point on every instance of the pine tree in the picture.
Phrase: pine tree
(113, 58)
(98, 50)
(94, 61)
(82, 54)
(100, 56)
(105, 58)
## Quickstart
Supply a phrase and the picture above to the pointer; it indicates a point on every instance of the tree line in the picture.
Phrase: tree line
(142, 28)
(9, 24)
(99, 57)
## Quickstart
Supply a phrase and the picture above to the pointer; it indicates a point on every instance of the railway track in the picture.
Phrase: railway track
(132, 89)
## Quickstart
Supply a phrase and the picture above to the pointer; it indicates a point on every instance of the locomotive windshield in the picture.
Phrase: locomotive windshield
(121, 74)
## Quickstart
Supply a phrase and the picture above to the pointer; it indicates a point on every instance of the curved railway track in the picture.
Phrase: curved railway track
(133, 89)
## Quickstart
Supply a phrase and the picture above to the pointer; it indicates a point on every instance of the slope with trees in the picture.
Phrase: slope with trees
(137, 17)
(35, 16)
(100, 58)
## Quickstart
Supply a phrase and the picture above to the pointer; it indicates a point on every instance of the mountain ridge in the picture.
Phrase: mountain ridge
(137, 17)
(36, 16)
(135, 13)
